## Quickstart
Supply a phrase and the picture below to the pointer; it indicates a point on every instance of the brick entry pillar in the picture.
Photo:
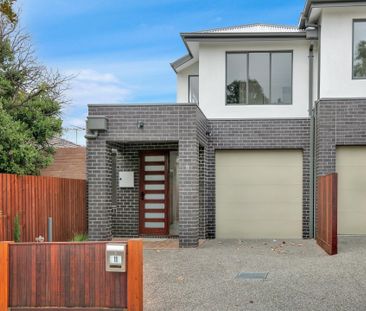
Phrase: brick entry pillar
(188, 171)
(99, 170)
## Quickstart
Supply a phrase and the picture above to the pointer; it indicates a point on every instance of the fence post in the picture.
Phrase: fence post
(49, 230)
(134, 275)
(4, 272)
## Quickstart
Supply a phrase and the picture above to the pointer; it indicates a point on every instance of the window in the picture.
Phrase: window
(259, 78)
(359, 49)
(193, 89)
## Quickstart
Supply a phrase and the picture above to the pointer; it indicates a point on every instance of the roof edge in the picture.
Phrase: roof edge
(215, 35)
(310, 3)
(181, 61)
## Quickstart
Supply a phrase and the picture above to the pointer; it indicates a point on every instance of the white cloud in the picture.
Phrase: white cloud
(91, 86)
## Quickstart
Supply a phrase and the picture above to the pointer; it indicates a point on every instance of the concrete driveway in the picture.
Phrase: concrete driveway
(300, 276)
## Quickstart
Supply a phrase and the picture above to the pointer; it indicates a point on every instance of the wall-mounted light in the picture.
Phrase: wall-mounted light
(140, 124)
(208, 133)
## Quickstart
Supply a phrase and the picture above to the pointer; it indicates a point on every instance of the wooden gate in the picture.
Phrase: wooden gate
(326, 235)
(68, 276)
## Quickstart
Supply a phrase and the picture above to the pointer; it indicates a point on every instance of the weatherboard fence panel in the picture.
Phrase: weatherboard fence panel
(34, 199)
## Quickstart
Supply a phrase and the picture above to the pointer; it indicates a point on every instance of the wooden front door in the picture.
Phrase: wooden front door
(154, 192)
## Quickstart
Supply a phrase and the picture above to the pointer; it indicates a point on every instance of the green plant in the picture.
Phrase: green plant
(79, 237)
(16, 228)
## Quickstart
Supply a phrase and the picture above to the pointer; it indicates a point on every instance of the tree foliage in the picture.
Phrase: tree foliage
(31, 98)
(359, 68)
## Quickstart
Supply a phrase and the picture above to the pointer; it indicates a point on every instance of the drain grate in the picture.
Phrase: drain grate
(252, 275)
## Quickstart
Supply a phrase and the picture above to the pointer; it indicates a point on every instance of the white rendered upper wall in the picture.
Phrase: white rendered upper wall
(336, 53)
(212, 73)
(182, 82)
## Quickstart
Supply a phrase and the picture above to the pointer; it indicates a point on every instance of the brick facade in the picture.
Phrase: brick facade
(338, 123)
(259, 134)
(184, 125)
(183, 128)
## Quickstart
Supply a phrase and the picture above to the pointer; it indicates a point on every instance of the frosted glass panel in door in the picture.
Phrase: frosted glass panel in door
(154, 158)
(154, 177)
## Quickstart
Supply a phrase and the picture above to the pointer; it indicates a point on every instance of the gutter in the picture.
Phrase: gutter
(195, 36)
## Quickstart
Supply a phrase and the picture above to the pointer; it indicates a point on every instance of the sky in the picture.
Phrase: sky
(119, 51)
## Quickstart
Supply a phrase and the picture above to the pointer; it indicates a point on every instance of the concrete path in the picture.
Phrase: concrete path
(300, 276)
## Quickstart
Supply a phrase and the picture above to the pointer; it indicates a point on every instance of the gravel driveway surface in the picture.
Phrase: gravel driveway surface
(300, 276)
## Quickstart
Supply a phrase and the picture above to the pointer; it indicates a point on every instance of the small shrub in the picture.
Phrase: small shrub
(80, 237)
(16, 228)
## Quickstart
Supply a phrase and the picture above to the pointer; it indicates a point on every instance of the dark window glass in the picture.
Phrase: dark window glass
(258, 78)
(193, 89)
(281, 78)
(359, 49)
(236, 78)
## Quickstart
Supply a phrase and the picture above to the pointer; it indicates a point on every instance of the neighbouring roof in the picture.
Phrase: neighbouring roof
(59, 142)
(254, 28)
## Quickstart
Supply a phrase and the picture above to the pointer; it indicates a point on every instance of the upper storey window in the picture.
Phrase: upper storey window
(193, 89)
(259, 78)
(359, 49)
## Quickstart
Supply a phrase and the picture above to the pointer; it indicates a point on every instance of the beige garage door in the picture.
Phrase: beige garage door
(351, 169)
(259, 194)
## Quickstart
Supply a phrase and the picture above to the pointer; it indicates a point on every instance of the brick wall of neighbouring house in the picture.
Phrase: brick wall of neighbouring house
(338, 123)
(67, 163)
(258, 134)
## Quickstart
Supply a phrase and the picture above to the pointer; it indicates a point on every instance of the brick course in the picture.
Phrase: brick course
(338, 123)
(182, 127)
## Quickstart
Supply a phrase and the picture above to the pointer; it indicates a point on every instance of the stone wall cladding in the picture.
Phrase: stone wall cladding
(338, 123)
(258, 134)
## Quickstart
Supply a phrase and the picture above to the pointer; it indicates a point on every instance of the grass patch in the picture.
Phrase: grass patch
(79, 237)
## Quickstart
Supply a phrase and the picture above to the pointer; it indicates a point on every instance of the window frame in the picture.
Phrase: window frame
(189, 89)
(357, 20)
(270, 52)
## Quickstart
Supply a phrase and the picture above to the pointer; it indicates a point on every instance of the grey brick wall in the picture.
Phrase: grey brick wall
(125, 220)
(180, 124)
(99, 175)
(258, 134)
(338, 123)
(186, 128)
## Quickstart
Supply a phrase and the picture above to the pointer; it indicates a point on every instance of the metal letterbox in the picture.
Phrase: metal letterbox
(115, 257)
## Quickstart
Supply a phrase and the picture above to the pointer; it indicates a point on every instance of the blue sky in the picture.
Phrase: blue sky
(120, 50)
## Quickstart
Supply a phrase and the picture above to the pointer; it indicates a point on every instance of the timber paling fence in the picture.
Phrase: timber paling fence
(34, 199)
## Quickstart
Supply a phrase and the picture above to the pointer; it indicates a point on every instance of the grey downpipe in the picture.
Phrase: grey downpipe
(312, 144)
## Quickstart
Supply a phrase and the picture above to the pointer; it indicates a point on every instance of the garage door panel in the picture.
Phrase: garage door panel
(259, 194)
(258, 212)
(351, 169)
(252, 157)
(229, 175)
(353, 177)
(249, 229)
